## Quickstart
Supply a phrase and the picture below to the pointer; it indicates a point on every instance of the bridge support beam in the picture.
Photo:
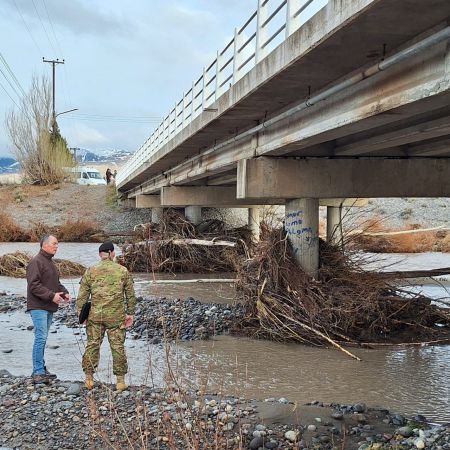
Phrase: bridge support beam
(208, 196)
(264, 178)
(148, 201)
(302, 228)
(193, 214)
(254, 222)
(157, 214)
(334, 225)
(129, 202)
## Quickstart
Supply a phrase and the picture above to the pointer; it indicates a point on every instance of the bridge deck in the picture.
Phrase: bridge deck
(339, 39)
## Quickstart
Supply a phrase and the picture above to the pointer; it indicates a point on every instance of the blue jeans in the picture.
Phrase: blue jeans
(41, 320)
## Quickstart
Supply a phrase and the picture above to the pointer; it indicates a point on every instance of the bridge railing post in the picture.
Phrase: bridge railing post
(203, 88)
(191, 116)
(218, 76)
(261, 30)
(236, 54)
(292, 20)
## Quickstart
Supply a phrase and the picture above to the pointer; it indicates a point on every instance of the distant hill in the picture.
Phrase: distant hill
(8, 165)
(83, 155)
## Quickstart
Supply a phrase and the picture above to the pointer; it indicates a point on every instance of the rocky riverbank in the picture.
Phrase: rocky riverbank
(64, 415)
(157, 318)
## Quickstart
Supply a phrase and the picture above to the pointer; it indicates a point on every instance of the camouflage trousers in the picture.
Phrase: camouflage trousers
(116, 337)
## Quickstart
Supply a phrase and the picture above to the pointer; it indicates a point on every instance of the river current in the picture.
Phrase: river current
(405, 379)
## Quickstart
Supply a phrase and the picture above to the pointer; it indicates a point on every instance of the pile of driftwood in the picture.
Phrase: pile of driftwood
(15, 265)
(177, 245)
(346, 305)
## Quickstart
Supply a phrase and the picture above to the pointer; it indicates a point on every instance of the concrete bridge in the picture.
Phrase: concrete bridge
(312, 102)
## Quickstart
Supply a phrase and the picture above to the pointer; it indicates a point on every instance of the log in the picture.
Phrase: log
(197, 280)
(393, 233)
(208, 243)
(415, 273)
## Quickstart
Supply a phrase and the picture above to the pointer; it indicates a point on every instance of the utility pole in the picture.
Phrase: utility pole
(53, 63)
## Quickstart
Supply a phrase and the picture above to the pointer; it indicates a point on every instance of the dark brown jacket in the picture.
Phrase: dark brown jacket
(43, 282)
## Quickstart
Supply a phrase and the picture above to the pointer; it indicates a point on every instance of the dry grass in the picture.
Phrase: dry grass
(77, 231)
(69, 231)
(15, 265)
(9, 230)
(414, 242)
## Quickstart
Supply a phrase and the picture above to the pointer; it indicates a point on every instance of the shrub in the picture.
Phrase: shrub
(9, 230)
(77, 231)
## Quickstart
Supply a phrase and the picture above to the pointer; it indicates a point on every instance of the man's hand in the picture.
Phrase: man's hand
(128, 321)
(58, 298)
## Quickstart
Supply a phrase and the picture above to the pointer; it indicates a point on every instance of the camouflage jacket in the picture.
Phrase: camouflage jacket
(110, 288)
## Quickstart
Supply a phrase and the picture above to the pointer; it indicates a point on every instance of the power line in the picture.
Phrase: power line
(28, 29)
(13, 76)
(43, 26)
(11, 85)
(7, 93)
(53, 29)
(18, 106)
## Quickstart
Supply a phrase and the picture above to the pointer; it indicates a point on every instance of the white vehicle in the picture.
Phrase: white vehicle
(87, 176)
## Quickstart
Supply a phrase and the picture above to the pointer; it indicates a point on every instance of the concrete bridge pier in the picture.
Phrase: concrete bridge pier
(193, 214)
(157, 214)
(302, 228)
(254, 221)
(334, 225)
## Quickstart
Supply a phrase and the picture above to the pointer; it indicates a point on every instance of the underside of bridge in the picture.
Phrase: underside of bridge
(356, 103)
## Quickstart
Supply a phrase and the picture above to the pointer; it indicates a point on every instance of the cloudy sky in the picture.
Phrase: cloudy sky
(126, 62)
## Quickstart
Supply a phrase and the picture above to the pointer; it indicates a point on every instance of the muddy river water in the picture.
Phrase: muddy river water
(405, 379)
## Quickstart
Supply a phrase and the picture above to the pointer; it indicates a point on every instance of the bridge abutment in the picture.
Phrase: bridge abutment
(302, 228)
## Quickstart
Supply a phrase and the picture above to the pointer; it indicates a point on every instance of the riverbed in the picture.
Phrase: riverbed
(407, 379)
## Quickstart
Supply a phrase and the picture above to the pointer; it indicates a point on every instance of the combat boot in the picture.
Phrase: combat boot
(89, 381)
(120, 384)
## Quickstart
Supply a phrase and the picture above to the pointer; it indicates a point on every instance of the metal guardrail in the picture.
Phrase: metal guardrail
(251, 43)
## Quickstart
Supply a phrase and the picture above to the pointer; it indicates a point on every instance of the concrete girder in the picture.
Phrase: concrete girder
(207, 196)
(420, 132)
(148, 201)
(264, 178)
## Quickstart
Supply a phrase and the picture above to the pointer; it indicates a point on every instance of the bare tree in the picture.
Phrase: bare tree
(41, 154)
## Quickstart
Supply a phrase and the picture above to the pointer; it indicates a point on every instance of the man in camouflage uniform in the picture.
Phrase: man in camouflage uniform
(110, 288)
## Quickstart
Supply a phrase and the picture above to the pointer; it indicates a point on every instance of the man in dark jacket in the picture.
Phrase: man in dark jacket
(44, 294)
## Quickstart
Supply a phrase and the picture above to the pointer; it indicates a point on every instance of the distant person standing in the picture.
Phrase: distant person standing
(44, 294)
(115, 175)
(108, 175)
(109, 287)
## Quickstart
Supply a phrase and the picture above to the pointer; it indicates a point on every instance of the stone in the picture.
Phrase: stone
(337, 415)
(419, 443)
(73, 389)
(312, 428)
(256, 442)
(360, 407)
(398, 420)
(291, 435)
(405, 431)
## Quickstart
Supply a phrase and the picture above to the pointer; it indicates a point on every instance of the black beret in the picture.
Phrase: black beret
(106, 247)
